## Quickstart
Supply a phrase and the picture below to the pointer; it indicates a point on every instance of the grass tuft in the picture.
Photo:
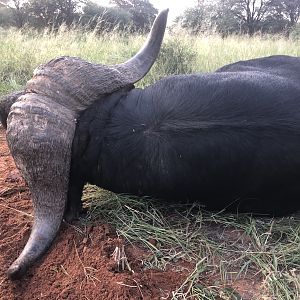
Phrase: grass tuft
(219, 250)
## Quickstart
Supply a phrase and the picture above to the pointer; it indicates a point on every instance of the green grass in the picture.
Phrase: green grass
(22, 51)
(223, 251)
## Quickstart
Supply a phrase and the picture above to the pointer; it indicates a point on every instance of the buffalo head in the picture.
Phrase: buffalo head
(41, 125)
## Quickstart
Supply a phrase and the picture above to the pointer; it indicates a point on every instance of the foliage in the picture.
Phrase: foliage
(194, 19)
(51, 13)
(176, 57)
(242, 16)
(142, 13)
(138, 15)
(6, 15)
(104, 19)
(295, 33)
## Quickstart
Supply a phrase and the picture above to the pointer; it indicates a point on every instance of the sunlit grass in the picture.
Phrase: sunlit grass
(21, 51)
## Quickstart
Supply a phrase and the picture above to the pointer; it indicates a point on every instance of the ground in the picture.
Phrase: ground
(80, 262)
(79, 265)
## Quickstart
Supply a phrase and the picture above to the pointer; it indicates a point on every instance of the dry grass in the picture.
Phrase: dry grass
(21, 51)
(221, 250)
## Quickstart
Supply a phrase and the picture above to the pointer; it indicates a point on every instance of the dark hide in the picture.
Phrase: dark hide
(285, 66)
(5, 104)
(229, 139)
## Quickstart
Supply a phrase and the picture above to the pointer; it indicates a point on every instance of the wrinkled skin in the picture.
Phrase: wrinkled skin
(41, 124)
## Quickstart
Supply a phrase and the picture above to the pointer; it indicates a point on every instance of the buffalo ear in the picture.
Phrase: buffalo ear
(5, 104)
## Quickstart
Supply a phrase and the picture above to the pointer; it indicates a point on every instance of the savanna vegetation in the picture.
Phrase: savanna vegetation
(222, 16)
(22, 50)
(223, 251)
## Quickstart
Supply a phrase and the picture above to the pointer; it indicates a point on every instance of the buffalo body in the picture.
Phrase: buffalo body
(229, 139)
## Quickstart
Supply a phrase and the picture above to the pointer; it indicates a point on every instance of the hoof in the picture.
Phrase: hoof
(74, 214)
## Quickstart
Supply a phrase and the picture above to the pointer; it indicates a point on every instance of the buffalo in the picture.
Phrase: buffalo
(229, 139)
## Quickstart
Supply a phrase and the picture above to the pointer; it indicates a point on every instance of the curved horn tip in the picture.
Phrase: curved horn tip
(164, 11)
(15, 271)
(163, 16)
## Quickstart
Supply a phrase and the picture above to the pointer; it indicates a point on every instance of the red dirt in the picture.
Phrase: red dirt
(79, 264)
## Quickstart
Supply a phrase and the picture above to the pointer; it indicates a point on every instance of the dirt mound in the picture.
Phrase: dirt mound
(80, 263)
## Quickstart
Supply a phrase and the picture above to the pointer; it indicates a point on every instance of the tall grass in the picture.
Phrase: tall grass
(222, 250)
(21, 51)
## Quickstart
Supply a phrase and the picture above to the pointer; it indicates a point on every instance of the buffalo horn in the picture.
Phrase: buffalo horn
(41, 126)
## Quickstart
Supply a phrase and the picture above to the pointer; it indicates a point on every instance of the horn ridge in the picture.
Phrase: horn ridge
(139, 65)
(83, 82)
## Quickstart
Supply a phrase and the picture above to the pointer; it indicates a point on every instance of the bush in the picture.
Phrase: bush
(295, 33)
(6, 17)
(177, 56)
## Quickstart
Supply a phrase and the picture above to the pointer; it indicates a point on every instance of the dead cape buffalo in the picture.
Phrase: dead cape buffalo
(230, 139)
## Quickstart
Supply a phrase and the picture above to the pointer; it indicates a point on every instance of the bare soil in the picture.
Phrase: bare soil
(79, 264)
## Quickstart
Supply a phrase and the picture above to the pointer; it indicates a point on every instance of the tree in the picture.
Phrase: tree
(42, 13)
(205, 15)
(142, 13)
(194, 19)
(17, 11)
(101, 18)
(6, 16)
(250, 13)
(241, 16)
(224, 19)
(68, 10)
(288, 10)
(52, 13)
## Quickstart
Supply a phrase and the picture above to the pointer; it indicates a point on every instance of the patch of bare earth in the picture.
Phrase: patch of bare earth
(79, 264)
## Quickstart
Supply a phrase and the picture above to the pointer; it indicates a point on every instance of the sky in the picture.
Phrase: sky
(176, 6)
